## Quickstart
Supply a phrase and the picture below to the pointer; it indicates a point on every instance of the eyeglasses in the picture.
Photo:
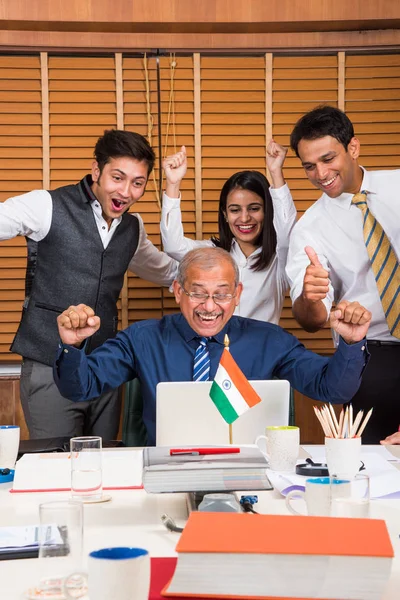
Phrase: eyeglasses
(217, 298)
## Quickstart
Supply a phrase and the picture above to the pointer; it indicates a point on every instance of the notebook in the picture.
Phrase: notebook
(244, 470)
(186, 415)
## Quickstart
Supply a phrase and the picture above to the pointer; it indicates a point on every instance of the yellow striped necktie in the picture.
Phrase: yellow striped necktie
(384, 264)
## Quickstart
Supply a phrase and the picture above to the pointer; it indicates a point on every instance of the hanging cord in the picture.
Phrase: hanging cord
(171, 108)
(150, 124)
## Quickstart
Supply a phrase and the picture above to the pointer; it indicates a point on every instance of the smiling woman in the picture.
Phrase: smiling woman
(252, 226)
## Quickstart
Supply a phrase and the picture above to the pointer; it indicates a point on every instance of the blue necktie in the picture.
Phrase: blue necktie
(201, 367)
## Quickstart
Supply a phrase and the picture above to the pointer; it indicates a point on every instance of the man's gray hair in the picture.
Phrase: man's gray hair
(206, 259)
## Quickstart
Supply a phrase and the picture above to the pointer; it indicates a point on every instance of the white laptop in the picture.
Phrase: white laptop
(186, 415)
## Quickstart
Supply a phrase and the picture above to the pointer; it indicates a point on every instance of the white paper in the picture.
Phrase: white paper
(121, 469)
(384, 477)
(24, 537)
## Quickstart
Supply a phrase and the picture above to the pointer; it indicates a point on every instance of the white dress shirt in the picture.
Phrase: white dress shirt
(263, 291)
(334, 228)
(30, 215)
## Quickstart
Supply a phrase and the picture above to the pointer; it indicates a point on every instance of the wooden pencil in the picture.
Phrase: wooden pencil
(356, 423)
(334, 417)
(330, 421)
(324, 428)
(367, 417)
(341, 423)
(345, 422)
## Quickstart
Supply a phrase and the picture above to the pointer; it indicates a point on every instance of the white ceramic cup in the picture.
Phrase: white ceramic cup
(351, 500)
(317, 495)
(343, 456)
(9, 444)
(120, 572)
(282, 446)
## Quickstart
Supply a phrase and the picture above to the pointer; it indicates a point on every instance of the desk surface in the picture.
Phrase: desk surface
(133, 518)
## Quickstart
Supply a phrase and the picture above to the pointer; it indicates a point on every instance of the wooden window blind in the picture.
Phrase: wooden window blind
(144, 298)
(373, 105)
(232, 125)
(20, 172)
(299, 84)
(222, 108)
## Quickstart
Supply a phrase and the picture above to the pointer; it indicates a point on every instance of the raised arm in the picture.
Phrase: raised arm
(175, 243)
(80, 376)
(28, 215)
(76, 324)
(335, 379)
(284, 209)
(150, 263)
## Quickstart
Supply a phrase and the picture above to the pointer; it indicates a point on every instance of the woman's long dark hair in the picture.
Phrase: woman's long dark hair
(255, 182)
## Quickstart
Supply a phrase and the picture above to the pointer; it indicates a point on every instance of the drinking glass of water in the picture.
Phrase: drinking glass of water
(86, 471)
(60, 551)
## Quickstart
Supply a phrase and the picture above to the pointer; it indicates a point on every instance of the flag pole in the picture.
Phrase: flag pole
(226, 344)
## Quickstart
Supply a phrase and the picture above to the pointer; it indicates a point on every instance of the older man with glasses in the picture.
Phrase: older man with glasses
(187, 346)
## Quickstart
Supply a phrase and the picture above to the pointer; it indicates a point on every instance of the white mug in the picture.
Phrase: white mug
(120, 572)
(9, 444)
(317, 495)
(282, 446)
(351, 500)
(343, 456)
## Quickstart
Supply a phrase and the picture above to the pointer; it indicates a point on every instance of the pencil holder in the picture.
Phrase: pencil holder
(343, 456)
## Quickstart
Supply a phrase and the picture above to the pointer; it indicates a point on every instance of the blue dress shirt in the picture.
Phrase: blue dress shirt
(163, 350)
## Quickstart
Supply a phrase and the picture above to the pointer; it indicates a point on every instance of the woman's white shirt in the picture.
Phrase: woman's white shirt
(263, 291)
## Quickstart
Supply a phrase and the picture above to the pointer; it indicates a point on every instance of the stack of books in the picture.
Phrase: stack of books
(204, 469)
(278, 556)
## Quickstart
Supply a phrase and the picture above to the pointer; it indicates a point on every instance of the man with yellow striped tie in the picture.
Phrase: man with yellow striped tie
(345, 250)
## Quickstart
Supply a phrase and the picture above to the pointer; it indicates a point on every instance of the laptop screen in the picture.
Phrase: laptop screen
(187, 415)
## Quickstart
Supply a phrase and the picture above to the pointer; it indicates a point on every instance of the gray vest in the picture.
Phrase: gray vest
(71, 266)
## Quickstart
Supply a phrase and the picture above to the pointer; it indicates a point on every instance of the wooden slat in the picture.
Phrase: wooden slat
(45, 120)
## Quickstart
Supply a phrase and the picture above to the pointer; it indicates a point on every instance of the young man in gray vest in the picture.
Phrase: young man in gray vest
(81, 240)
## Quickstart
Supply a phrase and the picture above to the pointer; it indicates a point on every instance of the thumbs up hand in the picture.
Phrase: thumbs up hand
(316, 278)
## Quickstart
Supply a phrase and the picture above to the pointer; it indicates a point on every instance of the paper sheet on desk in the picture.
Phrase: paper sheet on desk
(48, 472)
(384, 477)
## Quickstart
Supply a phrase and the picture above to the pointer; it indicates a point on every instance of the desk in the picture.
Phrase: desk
(133, 518)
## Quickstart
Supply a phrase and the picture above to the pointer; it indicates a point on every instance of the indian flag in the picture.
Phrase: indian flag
(231, 393)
